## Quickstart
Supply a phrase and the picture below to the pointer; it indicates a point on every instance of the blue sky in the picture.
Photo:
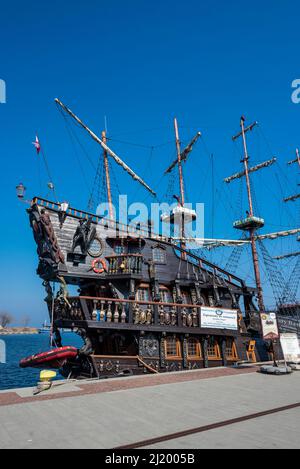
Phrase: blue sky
(140, 63)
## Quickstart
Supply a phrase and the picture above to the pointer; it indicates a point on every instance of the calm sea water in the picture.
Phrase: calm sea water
(21, 346)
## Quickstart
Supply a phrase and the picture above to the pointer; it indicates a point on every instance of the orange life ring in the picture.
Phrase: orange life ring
(97, 262)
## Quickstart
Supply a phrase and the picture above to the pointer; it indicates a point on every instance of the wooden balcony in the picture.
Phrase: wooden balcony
(130, 264)
(111, 313)
(142, 313)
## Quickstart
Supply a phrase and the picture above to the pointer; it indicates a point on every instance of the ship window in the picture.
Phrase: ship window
(159, 256)
(194, 349)
(134, 249)
(230, 350)
(119, 248)
(143, 293)
(213, 349)
(165, 295)
(172, 347)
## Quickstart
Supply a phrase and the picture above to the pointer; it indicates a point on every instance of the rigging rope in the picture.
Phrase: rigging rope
(293, 283)
(235, 256)
(66, 119)
(48, 171)
(275, 277)
(99, 182)
(73, 137)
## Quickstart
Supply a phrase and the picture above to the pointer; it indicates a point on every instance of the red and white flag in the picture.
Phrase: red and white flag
(37, 144)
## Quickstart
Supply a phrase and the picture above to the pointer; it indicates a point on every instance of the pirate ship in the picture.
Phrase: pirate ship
(146, 302)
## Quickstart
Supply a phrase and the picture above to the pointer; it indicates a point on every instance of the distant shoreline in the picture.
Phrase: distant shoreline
(18, 330)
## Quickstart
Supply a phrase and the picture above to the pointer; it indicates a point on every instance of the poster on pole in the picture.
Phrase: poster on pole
(269, 326)
(290, 347)
(219, 318)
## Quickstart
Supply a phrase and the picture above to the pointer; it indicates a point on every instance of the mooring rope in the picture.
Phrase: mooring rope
(146, 365)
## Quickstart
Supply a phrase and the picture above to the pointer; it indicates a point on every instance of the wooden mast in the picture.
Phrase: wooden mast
(298, 156)
(297, 160)
(251, 215)
(288, 199)
(181, 156)
(107, 178)
(296, 196)
(181, 182)
(181, 185)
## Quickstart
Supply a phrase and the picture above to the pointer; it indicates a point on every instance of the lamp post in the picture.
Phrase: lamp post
(20, 189)
(20, 192)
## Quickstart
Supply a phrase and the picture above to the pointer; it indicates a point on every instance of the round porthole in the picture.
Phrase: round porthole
(95, 248)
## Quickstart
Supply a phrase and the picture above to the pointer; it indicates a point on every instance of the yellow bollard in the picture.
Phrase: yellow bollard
(45, 382)
(47, 375)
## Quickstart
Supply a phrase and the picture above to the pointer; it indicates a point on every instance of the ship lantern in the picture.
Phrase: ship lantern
(62, 214)
(20, 188)
(64, 207)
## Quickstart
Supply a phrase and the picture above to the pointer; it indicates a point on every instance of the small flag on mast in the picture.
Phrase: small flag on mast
(37, 144)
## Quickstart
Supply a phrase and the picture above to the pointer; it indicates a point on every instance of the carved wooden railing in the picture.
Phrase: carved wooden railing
(123, 311)
(70, 309)
(125, 264)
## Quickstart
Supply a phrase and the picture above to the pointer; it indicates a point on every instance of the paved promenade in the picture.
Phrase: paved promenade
(119, 412)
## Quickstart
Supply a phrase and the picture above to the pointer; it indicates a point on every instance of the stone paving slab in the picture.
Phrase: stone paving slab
(57, 388)
(272, 432)
(66, 389)
(127, 415)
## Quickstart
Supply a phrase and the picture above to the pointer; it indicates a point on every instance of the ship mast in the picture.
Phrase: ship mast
(181, 157)
(181, 181)
(292, 198)
(107, 178)
(297, 160)
(252, 223)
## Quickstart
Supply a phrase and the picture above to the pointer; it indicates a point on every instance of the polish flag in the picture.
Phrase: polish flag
(37, 145)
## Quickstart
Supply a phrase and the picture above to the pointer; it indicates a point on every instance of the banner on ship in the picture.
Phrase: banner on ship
(219, 318)
(269, 326)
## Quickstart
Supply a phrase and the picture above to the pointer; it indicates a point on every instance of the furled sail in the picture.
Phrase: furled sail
(184, 154)
(293, 161)
(296, 160)
(286, 256)
(292, 198)
(211, 243)
(279, 234)
(251, 170)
